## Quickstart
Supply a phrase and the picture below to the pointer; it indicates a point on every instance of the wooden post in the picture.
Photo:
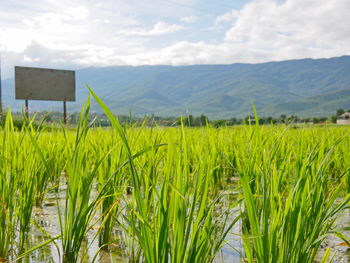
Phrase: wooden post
(26, 109)
(64, 112)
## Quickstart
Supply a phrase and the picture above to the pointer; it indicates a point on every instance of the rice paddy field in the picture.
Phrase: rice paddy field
(138, 194)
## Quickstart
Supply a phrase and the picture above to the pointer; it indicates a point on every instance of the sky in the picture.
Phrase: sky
(70, 34)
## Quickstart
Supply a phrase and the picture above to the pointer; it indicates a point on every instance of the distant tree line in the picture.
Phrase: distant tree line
(101, 120)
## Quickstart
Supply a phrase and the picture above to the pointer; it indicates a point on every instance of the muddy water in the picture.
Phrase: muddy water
(47, 219)
(340, 250)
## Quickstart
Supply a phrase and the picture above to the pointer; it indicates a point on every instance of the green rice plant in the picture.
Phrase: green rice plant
(161, 194)
(48, 173)
(140, 210)
(17, 189)
(113, 179)
(29, 183)
(79, 208)
(173, 222)
(8, 190)
(288, 209)
(25, 202)
(196, 234)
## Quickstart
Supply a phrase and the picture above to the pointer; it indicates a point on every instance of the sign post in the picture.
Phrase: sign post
(45, 84)
(64, 112)
(26, 109)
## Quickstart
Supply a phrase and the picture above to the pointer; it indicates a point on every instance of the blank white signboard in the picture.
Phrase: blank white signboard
(44, 84)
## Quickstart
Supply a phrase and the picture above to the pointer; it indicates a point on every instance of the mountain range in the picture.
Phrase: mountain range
(305, 87)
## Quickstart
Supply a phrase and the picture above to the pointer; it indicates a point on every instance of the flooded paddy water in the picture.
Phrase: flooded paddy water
(46, 218)
(232, 252)
(340, 250)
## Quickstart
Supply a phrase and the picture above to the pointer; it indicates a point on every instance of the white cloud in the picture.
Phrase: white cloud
(78, 13)
(160, 28)
(27, 59)
(228, 17)
(15, 40)
(37, 54)
(295, 25)
(189, 19)
(84, 33)
(186, 53)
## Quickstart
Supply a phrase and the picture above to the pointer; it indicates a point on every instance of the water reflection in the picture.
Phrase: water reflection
(47, 219)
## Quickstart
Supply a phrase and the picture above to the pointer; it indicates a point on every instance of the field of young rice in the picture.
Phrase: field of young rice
(138, 194)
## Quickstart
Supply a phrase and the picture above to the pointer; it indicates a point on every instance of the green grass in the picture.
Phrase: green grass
(165, 194)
